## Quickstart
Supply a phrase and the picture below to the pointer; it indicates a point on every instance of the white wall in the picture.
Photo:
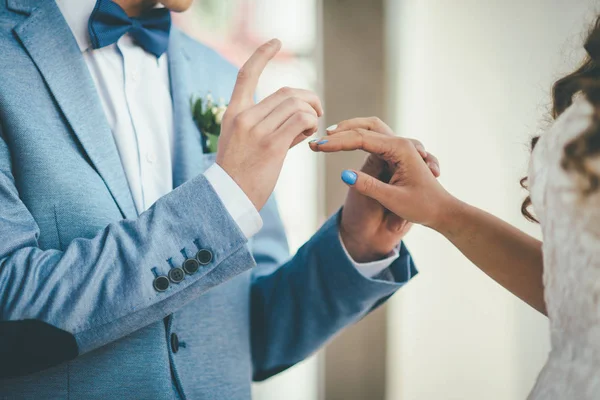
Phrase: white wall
(471, 79)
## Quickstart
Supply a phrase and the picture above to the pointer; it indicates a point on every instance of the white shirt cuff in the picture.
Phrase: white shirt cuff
(235, 200)
(373, 268)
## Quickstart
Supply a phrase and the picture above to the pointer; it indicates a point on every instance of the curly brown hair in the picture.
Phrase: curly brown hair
(585, 80)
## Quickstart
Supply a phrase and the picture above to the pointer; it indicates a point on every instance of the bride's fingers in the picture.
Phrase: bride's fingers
(389, 148)
(370, 124)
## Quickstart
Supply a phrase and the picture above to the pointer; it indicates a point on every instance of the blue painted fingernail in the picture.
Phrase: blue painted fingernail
(349, 177)
(312, 141)
(323, 141)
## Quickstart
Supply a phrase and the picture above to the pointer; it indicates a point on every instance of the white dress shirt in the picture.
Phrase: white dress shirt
(134, 89)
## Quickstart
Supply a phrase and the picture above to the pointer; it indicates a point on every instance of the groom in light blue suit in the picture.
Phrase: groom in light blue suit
(131, 265)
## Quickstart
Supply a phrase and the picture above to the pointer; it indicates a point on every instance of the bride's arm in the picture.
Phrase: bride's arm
(509, 256)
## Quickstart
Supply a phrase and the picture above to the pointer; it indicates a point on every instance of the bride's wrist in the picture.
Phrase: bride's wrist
(449, 211)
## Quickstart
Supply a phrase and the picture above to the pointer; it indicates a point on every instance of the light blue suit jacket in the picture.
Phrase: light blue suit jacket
(79, 315)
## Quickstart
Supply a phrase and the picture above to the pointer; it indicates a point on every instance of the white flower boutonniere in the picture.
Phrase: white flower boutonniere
(208, 117)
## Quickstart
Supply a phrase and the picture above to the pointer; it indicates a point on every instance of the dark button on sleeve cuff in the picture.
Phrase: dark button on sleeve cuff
(190, 266)
(176, 275)
(204, 257)
(161, 283)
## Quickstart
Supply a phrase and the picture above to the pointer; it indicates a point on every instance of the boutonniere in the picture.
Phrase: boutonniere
(208, 117)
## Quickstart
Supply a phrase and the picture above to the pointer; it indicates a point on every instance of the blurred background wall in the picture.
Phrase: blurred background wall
(469, 78)
(473, 83)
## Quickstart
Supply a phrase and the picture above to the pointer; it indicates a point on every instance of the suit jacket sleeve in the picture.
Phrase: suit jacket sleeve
(296, 306)
(56, 304)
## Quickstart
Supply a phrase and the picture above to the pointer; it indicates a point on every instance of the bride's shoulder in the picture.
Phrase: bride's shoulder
(549, 149)
(570, 125)
(573, 122)
(567, 156)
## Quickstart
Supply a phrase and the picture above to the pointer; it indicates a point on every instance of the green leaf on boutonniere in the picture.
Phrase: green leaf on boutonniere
(197, 109)
(212, 142)
(208, 117)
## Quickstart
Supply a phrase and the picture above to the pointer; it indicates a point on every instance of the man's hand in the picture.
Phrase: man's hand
(255, 138)
(369, 231)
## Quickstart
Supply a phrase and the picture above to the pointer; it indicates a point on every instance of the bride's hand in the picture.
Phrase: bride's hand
(412, 193)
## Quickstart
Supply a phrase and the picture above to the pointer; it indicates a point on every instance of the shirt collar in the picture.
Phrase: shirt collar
(77, 14)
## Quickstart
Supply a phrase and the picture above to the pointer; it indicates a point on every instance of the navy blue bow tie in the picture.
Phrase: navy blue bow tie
(150, 30)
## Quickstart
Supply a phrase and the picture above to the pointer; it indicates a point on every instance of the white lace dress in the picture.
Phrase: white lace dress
(571, 229)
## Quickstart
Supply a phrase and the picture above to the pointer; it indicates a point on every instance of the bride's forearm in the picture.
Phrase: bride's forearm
(509, 256)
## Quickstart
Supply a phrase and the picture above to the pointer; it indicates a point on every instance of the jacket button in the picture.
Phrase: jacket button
(161, 283)
(190, 266)
(176, 275)
(204, 256)
(174, 343)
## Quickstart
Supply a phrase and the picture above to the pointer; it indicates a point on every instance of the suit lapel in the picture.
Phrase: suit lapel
(188, 157)
(61, 64)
